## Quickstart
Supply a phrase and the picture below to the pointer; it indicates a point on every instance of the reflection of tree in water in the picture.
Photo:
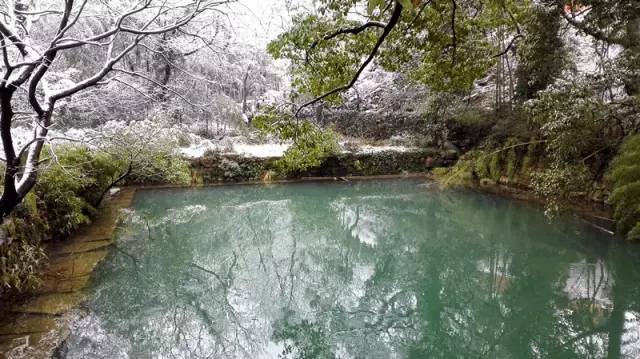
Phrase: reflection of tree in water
(351, 274)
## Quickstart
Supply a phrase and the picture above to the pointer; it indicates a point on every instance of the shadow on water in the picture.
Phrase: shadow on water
(380, 269)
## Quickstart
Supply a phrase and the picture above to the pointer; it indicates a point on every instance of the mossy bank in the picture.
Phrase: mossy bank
(216, 168)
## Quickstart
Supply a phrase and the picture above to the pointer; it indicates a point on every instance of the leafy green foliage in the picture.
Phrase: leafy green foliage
(73, 185)
(542, 55)
(310, 148)
(558, 182)
(511, 158)
(575, 125)
(331, 63)
(146, 154)
(19, 263)
(159, 166)
(483, 164)
(444, 46)
(532, 154)
(628, 65)
(311, 144)
(625, 175)
(60, 188)
(573, 119)
(433, 51)
(470, 166)
(69, 189)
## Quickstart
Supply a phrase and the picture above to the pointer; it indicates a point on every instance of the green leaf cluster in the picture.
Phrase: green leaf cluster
(557, 182)
(22, 256)
(573, 119)
(542, 55)
(435, 44)
(311, 144)
(331, 63)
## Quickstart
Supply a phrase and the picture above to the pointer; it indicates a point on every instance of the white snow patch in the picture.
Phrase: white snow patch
(262, 150)
(196, 150)
(376, 149)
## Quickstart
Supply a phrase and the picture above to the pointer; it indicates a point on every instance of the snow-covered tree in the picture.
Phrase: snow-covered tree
(42, 42)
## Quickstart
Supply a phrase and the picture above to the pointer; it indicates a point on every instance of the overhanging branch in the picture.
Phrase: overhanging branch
(393, 21)
(511, 43)
(596, 33)
(350, 30)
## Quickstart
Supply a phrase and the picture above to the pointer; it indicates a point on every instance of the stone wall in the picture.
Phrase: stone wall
(216, 168)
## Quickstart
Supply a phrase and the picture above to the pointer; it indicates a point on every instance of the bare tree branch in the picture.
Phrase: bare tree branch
(137, 74)
(594, 32)
(509, 46)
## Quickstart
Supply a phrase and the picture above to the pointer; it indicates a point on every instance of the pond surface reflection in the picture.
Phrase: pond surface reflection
(380, 269)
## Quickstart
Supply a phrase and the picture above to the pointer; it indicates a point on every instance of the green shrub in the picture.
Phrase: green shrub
(575, 128)
(543, 57)
(465, 171)
(531, 156)
(19, 265)
(65, 196)
(59, 191)
(311, 144)
(625, 198)
(481, 165)
(159, 166)
(440, 172)
(146, 153)
(22, 256)
(558, 182)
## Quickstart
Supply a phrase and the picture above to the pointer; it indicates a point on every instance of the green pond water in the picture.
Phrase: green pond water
(374, 269)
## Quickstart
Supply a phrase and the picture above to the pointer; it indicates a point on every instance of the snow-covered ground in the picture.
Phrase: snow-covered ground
(196, 150)
(195, 146)
(383, 148)
(261, 150)
(238, 145)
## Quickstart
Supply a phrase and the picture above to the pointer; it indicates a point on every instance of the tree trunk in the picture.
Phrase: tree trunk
(320, 114)
(245, 91)
(10, 198)
(104, 192)
(632, 84)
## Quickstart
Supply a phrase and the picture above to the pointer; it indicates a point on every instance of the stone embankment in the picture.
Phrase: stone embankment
(39, 322)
